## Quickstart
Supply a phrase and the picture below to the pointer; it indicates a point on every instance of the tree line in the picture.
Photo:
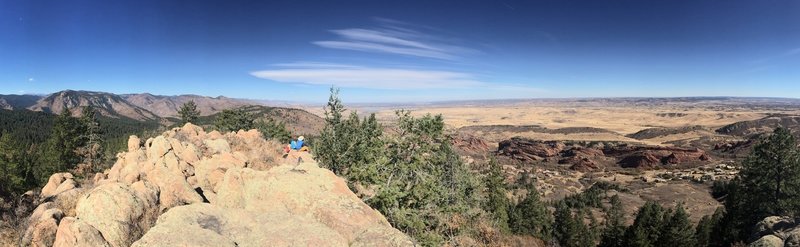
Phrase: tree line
(34, 145)
(236, 119)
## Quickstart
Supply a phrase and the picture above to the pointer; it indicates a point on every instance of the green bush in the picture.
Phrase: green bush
(274, 130)
(413, 175)
(234, 120)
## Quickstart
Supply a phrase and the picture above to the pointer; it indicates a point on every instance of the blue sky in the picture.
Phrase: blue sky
(394, 51)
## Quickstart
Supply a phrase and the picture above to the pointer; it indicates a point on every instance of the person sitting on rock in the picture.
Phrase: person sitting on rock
(293, 144)
(301, 146)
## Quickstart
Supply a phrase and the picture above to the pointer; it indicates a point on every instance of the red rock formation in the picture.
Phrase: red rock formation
(530, 150)
(587, 159)
(640, 160)
(580, 163)
(470, 145)
(650, 156)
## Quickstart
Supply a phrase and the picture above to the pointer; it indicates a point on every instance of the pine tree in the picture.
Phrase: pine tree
(614, 232)
(189, 112)
(234, 120)
(531, 217)
(586, 234)
(705, 228)
(770, 177)
(565, 228)
(647, 226)
(12, 179)
(92, 151)
(274, 130)
(332, 141)
(497, 202)
(61, 149)
(677, 231)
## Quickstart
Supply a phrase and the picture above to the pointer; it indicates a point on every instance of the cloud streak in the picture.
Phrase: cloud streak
(370, 77)
(391, 38)
(788, 53)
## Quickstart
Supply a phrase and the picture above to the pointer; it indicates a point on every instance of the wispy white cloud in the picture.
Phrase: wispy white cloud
(31, 79)
(306, 65)
(787, 53)
(369, 77)
(395, 37)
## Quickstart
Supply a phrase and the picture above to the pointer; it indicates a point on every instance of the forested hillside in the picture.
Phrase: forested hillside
(31, 144)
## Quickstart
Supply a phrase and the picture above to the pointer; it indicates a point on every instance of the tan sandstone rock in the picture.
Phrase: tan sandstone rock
(56, 184)
(187, 187)
(42, 229)
(74, 232)
(314, 193)
(114, 210)
(134, 143)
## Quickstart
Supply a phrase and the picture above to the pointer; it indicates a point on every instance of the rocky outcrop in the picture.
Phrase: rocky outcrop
(776, 231)
(187, 187)
(530, 150)
(470, 145)
(653, 156)
(584, 158)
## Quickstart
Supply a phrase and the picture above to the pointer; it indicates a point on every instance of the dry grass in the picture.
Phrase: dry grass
(620, 120)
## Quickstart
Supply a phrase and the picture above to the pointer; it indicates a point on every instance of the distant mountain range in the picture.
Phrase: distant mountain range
(148, 107)
(142, 106)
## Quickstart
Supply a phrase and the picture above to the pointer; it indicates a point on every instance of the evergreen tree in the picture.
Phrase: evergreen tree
(770, 177)
(427, 186)
(333, 140)
(614, 232)
(234, 120)
(497, 201)
(350, 146)
(60, 152)
(274, 130)
(585, 234)
(189, 112)
(768, 184)
(416, 178)
(565, 228)
(704, 230)
(12, 179)
(92, 151)
(647, 226)
(677, 231)
(531, 216)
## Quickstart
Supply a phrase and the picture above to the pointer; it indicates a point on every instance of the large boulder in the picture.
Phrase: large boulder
(767, 241)
(772, 225)
(58, 182)
(42, 226)
(118, 212)
(209, 225)
(305, 191)
(74, 232)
